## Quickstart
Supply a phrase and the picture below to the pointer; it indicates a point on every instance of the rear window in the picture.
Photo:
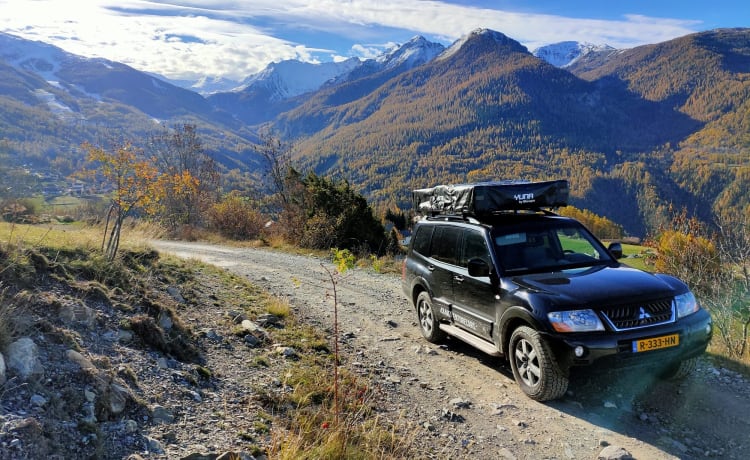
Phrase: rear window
(422, 240)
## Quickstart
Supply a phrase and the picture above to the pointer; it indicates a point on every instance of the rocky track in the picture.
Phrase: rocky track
(468, 405)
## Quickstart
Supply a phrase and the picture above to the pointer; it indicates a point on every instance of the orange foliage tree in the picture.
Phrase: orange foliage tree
(135, 184)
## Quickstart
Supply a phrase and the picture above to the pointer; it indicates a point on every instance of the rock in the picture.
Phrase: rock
(161, 415)
(38, 400)
(165, 320)
(237, 316)
(79, 359)
(451, 416)
(287, 352)
(117, 398)
(255, 330)
(78, 312)
(131, 426)
(154, 445)
(212, 335)
(460, 403)
(2, 369)
(176, 294)
(235, 456)
(124, 336)
(268, 320)
(22, 358)
(614, 453)
(251, 340)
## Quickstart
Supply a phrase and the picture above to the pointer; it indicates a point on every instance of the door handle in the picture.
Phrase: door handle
(458, 278)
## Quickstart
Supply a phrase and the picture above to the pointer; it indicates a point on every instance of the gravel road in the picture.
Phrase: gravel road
(468, 404)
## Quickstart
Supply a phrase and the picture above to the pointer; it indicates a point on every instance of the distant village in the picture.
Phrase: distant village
(25, 181)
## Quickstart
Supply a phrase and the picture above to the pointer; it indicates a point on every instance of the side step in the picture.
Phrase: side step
(471, 339)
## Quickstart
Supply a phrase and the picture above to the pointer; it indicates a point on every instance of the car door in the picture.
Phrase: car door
(474, 297)
(442, 265)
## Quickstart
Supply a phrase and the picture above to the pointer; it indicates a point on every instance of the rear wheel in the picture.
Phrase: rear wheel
(428, 322)
(534, 367)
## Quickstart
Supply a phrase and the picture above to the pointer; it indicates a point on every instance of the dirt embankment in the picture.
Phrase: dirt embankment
(468, 404)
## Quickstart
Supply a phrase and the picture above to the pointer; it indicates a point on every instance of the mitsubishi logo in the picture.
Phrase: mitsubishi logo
(643, 314)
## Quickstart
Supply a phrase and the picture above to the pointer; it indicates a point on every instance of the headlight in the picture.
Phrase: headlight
(686, 304)
(575, 321)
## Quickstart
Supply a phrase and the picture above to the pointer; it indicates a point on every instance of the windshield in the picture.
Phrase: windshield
(546, 245)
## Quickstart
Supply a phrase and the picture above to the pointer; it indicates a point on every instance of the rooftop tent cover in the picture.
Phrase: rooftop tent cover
(489, 197)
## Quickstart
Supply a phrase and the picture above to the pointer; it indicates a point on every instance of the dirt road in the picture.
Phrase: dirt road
(468, 404)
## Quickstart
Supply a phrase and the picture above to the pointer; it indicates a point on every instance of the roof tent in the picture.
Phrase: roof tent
(486, 198)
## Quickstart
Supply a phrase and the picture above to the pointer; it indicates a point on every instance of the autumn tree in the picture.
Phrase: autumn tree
(277, 156)
(715, 264)
(188, 175)
(134, 180)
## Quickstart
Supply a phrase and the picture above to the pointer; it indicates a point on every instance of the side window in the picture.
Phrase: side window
(422, 240)
(474, 247)
(445, 244)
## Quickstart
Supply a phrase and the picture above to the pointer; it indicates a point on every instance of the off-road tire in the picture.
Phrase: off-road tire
(428, 322)
(534, 367)
(679, 371)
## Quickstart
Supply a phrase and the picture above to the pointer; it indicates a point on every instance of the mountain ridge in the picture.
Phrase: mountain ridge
(655, 124)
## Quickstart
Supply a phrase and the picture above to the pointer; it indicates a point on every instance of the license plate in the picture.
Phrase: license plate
(656, 343)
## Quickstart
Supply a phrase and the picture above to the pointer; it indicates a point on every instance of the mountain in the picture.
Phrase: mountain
(487, 109)
(283, 86)
(273, 90)
(638, 132)
(101, 79)
(564, 54)
(51, 101)
(705, 77)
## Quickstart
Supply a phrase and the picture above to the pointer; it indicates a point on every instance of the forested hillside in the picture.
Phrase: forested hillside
(636, 132)
(649, 128)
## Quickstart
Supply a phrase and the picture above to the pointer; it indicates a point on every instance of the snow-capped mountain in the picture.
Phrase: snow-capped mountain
(58, 75)
(415, 52)
(564, 54)
(291, 78)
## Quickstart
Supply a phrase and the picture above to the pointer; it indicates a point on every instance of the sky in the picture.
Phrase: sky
(232, 39)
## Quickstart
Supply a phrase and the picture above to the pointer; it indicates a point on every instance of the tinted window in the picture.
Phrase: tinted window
(546, 245)
(445, 244)
(422, 240)
(474, 247)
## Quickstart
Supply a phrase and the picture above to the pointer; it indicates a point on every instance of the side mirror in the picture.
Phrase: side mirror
(616, 250)
(478, 267)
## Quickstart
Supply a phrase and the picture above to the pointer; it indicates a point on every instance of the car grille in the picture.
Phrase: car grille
(635, 316)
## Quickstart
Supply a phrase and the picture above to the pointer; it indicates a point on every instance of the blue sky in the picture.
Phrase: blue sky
(188, 39)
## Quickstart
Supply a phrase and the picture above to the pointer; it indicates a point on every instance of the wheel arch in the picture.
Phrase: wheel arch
(419, 286)
(512, 319)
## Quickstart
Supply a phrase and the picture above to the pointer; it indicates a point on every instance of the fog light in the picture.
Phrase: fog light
(578, 351)
(708, 329)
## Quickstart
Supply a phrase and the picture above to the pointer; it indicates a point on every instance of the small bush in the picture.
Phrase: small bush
(235, 217)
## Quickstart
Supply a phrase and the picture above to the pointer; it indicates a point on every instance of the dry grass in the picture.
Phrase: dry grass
(314, 431)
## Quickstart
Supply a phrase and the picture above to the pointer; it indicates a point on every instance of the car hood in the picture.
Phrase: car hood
(598, 285)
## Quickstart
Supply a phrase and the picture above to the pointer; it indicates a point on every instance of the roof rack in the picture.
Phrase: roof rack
(485, 199)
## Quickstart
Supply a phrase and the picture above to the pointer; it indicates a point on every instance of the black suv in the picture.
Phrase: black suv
(489, 267)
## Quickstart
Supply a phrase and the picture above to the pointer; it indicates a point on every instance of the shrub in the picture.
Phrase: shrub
(235, 217)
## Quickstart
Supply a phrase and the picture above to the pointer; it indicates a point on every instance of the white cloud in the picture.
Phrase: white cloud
(189, 39)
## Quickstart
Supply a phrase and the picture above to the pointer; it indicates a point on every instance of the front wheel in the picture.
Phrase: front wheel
(534, 367)
(679, 370)
(428, 322)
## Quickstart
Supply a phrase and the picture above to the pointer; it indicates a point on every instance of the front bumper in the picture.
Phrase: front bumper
(615, 349)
